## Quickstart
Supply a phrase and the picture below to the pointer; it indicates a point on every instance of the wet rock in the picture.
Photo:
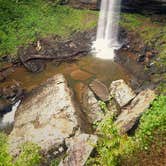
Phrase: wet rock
(80, 75)
(91, 106)
(79, 150)
(132, 113)
(100, 90)
(13, 93)
(57, 49)
(46, 117)
(144, 6)
(80, 89)
(141, 6)
(5, 106)
(2, 78)
(84, 4)
(122, 93)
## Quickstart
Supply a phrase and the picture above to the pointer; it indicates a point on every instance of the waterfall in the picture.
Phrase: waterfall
(107, 31)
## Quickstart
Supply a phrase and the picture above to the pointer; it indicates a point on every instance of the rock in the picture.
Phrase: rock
(79, 89)
(91, 107)
(2, 77)
(122, 93)
(80, 75)
(57, 49)
(79, 150)
(151, 6)
(5, 106)
(113, 108)
(13, 93)
(46, 117)
(84, 4)
(131, 114)
(100, 90)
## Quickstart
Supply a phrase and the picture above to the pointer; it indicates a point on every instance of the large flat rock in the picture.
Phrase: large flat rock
(100, 90)
(91, 106)
(46, 117)
(130, 115)
(79, 150)
(122, 93)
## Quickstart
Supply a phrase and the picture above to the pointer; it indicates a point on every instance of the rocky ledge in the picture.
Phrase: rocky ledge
(155, 6)
(57, 49)
(49, 117)
(46, 117)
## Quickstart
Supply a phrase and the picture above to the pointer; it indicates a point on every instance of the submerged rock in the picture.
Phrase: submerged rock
(79, 150)
(100, 90)
(80, 75)
(46, 117)
(131, 114)
(122, 93)
(91, 106)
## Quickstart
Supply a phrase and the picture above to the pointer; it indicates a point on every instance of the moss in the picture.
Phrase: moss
(29, 156)
(25, 21)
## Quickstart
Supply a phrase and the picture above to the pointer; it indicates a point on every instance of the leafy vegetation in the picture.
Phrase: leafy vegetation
(113, 149)
(29, 155)
(24, 21)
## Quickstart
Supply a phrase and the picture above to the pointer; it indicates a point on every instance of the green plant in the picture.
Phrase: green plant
(23, 22)
(113, 149)
(29, 156)
(5, 158)
(55, 162)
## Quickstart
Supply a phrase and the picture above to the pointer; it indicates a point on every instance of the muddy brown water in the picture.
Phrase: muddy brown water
(84, 70)
(79, 72)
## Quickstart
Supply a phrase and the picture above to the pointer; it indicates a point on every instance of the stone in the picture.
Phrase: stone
(113, 108)
(122, 93)
(141, 6)
(91, 107)
(79, 150)
(100, 90)
(79, 90)
(57, 49)
(132, 113)
(80, 75)
(5, 106)
(46, 117)
(84, 4)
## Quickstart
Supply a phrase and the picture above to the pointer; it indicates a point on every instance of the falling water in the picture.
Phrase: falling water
(107, 32)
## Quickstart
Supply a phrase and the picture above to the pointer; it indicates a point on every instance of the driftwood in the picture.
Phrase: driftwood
(58, 59)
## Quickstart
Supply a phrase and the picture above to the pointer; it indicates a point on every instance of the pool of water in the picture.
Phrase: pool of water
(79, 72)
(84, 70)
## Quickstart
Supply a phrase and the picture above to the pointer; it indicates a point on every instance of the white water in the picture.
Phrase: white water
(107, 33)
(8, 118)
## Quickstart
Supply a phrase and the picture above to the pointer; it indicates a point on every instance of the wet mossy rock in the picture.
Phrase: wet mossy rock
(157, 6)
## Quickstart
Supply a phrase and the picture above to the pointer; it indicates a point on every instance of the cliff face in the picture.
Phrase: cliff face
(152, 6)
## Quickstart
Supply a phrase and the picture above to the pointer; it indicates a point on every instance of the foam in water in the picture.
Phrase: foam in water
(8, 118)
(107, 31)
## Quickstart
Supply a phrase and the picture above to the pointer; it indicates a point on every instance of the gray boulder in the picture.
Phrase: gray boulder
(91, 106)
(46, 117)
(131, 114)
(100, 90)
(79, 150)
(122, 93)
